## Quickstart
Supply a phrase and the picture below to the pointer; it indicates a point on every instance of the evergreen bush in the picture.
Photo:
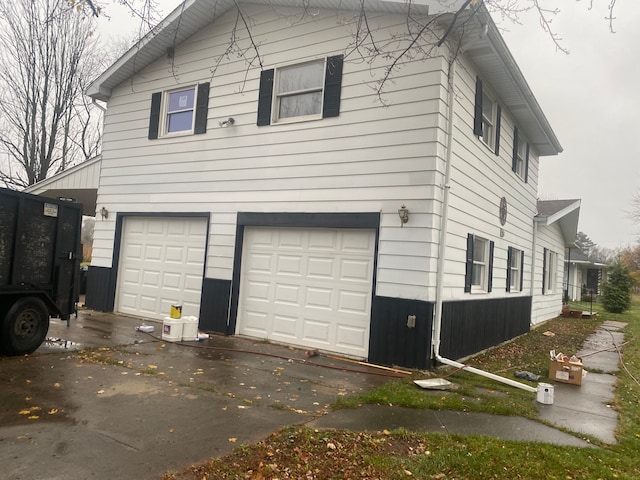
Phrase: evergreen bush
(616, 292)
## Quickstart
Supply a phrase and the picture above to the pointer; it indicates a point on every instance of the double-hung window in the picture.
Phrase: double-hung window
(549, 271)
(515, 264)
(479, 264)
(305, 91)
(181, 111)
(520, 161)
(487, 118)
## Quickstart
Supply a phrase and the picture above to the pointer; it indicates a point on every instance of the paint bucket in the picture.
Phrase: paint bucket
(172, 329)
(190, 329)
(176, 311)
(545, 393)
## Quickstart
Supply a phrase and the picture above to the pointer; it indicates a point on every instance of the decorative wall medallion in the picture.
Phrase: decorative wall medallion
(503, 211)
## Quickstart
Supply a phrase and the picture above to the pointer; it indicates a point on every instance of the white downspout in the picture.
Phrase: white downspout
(437, 323)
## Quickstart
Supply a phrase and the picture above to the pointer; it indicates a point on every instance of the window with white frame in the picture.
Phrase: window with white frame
(551, 271)
(514, 272)
(306, 91)
(181, 111)
(299, 90)
(479, 264)
(520, 161)
(488, 120)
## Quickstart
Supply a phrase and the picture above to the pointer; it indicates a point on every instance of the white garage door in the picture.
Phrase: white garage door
(308, 287)
(161, 264)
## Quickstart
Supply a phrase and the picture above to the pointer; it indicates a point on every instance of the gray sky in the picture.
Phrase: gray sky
(588, 96)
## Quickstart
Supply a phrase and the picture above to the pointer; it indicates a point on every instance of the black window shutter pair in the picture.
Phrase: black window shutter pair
(514, 162)
(201, 111)
(510, 253)
(477, 117)
(468, 275)
(332, 89)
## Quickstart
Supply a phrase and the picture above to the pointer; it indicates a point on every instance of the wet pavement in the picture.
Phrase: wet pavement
(132, 406)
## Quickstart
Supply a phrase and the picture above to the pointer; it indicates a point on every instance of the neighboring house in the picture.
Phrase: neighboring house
(583, 277)
(268, 201)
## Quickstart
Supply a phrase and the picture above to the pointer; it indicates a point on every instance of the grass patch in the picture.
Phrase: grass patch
(297, 452)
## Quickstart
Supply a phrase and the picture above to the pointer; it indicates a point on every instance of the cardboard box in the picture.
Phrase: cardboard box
(566, 372)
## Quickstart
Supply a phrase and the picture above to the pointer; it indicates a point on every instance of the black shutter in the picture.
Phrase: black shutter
(265, 97)
(514, 160)
(332, 87)
(154, 115)
(490, 273)
(468, 275)
(526, 166)
(477, 116)
(544, 271)
(498, 125)
(521, 270)
(202, 109)
(509, 257)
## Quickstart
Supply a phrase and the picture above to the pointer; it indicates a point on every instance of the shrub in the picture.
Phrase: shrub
(616, 292)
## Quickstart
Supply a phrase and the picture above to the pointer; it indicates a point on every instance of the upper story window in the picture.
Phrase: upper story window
(179, 112)
(549, 271)
(479, 265)
(305, 91)
(515, 264)
(180, 107)
(487, 118)
(520, 160)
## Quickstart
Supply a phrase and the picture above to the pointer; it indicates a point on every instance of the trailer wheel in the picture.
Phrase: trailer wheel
(24, 327)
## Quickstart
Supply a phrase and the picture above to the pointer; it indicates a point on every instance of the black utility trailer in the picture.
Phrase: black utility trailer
(40, 255)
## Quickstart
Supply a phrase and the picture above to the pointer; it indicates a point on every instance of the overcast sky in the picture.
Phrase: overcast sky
(589, 96)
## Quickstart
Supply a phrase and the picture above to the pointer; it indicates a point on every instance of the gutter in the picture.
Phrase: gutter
(437, 323)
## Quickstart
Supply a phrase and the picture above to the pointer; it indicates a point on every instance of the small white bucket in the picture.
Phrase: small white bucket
(545, 393)
(190, 329)
(172, 329)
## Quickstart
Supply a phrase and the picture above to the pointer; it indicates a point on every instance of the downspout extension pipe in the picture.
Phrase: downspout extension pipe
(437, 324)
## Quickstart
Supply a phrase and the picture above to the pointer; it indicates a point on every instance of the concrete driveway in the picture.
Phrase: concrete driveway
(103, 401)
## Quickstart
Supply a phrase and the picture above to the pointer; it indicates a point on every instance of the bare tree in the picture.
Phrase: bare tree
(46, 123)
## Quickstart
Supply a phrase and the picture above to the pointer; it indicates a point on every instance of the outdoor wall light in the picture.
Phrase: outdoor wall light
(403, 213)
(227, 123)
(104, 212)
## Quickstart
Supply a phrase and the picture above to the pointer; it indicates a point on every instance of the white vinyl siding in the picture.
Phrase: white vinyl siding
(368, 159)
(549, 304)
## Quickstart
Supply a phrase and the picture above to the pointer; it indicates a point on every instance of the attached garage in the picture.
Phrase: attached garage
(161, 264)
(310, 287)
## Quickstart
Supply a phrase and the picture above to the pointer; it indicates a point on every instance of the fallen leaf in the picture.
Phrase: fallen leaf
(171, 430)
(408, 473)
(24, 412)
(386, 432)
(53, 411)
(33, 417)
(331, 446)
(152, 366)
(100, 392)
(28, 399)
(56, 385)
(233, 439)
(28, 381)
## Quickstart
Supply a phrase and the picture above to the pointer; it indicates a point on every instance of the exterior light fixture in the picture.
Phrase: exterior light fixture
(403, 213)
(104, 212)
(227, 123)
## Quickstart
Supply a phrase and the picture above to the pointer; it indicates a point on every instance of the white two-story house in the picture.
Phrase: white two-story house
(277, 196)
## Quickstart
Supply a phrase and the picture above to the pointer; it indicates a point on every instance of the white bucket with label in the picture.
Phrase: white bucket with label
(172, 329)
(190, 329)
(545, 393)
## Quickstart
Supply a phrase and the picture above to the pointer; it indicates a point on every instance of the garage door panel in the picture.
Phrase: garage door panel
(321, 267)
(321, 298)
(354, 302)
(350, 337)
(317, 333)
(289, 265)
(287, 294)
(321, 294)
(162, 264)
(322, 240)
